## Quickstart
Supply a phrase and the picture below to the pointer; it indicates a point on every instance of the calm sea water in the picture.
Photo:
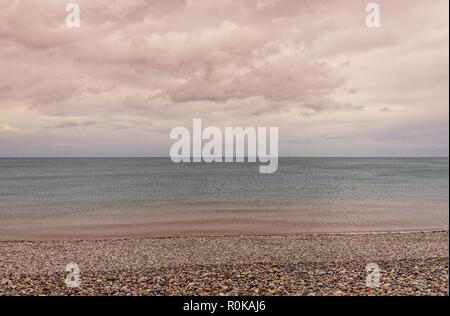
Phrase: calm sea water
(305, 194)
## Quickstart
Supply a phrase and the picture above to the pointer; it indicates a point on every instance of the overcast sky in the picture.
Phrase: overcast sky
(135, 69)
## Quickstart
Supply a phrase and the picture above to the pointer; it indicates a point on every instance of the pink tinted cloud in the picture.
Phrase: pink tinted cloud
(258, 60)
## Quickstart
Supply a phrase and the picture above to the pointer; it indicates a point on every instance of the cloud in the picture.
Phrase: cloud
(72, 124)
(142, 67)
(6, 128)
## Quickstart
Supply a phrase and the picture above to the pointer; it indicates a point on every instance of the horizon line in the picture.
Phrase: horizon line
(245, 157)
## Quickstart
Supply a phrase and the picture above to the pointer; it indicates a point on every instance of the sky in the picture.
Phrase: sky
(133, 70)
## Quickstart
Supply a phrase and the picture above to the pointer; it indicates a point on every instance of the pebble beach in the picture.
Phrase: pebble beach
(410, 263)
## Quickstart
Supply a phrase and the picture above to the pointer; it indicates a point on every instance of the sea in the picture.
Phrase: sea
(121, 197)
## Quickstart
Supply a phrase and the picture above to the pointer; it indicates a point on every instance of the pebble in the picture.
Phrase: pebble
(312, 264)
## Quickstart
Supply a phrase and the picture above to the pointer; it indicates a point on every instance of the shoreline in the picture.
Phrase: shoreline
(227, 235)
(411, 263)
(193, 227)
